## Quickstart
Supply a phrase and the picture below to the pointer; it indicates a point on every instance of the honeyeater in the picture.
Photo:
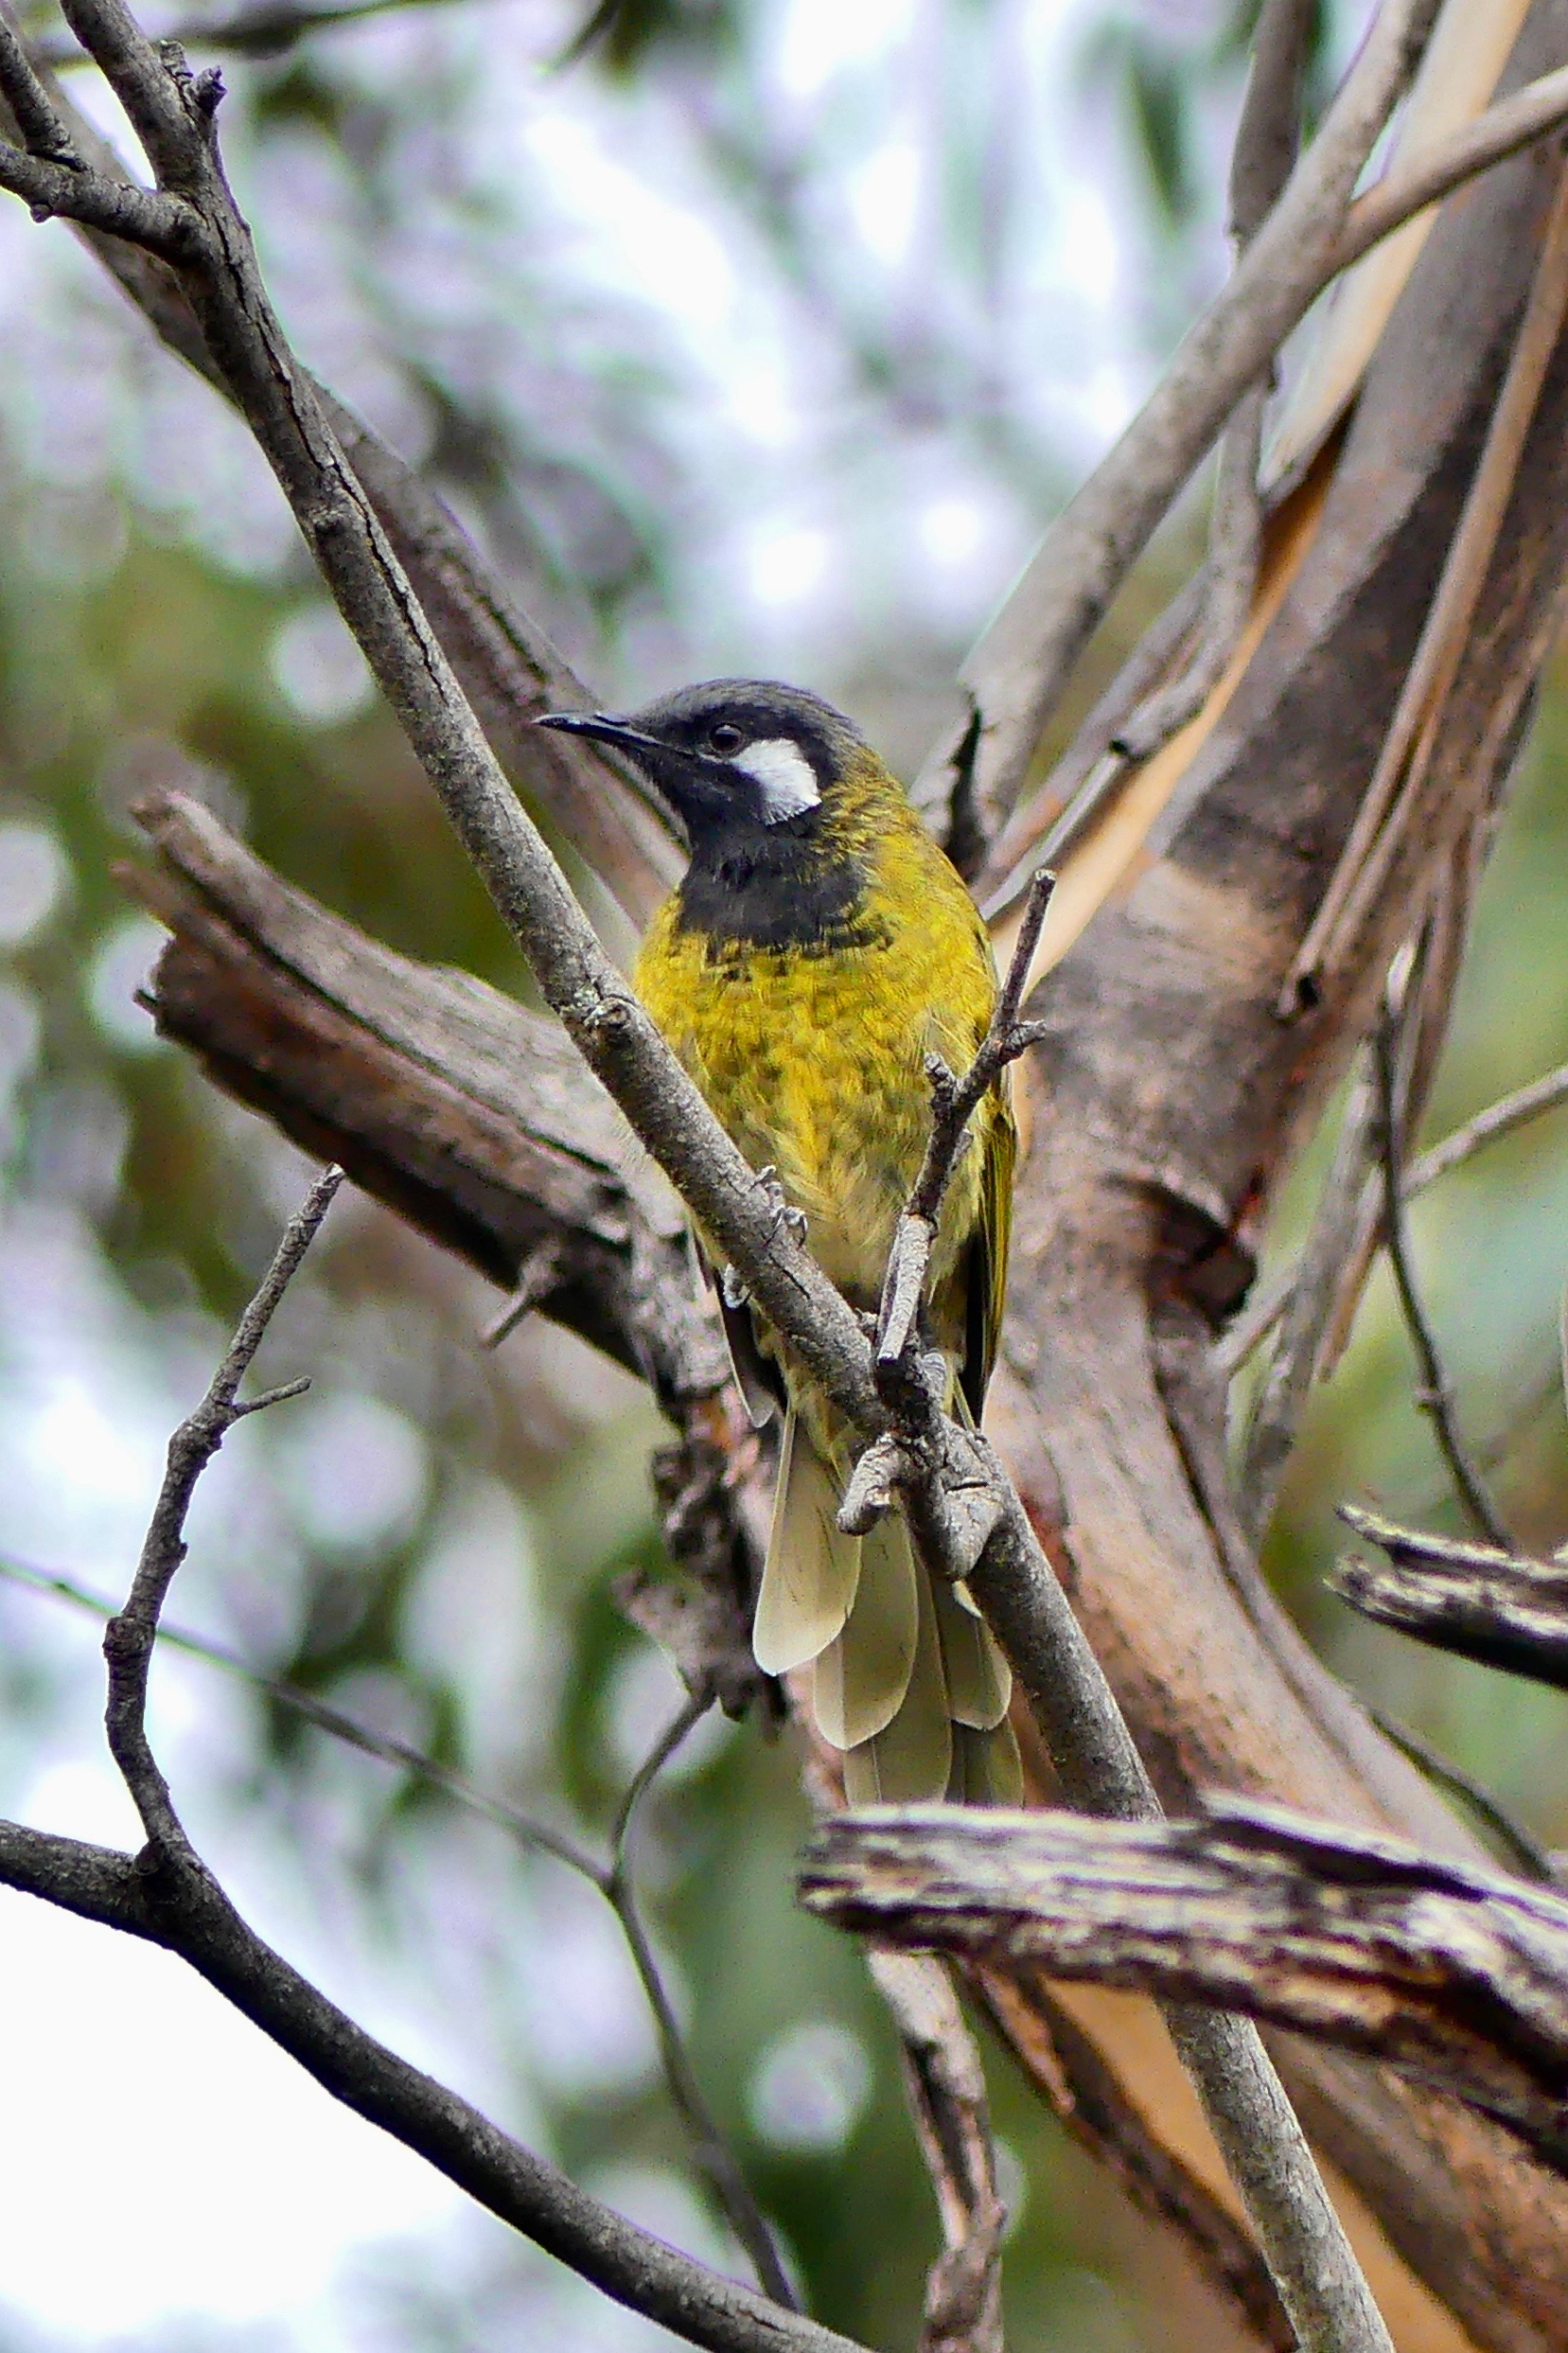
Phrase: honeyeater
(819, 946)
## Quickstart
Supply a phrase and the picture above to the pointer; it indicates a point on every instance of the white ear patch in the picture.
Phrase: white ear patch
(782, 770)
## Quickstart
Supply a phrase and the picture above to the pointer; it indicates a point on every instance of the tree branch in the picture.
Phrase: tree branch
(1483, 1602)
(1433, 1396)
(1015, 674)
(1455, 1976)
(185, 1911)
(610, 1878)
(946, 2088)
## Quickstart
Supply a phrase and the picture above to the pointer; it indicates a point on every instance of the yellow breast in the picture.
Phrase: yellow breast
(814, 1058)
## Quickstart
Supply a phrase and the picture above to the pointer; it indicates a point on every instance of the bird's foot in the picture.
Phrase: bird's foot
(785, 1212)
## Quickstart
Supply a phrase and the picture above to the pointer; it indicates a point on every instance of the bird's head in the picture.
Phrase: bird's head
(734, 758)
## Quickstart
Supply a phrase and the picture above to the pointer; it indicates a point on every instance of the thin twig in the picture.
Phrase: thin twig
(711, 2152)
(1433, 1396)
(1499, 1119)
(1526, 1854)
(129, 1638)
(1016, 672)
(611, 1878)
(536, 1278)
(953, 1103)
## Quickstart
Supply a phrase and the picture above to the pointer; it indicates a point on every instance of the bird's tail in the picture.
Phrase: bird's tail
(906, 1678)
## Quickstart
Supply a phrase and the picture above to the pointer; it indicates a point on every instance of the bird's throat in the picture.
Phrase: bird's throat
(779, 893)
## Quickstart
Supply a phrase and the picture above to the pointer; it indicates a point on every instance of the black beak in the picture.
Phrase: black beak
(647, 763)
(601, 727)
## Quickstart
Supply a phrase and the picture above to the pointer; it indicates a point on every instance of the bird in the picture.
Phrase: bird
(819, 948)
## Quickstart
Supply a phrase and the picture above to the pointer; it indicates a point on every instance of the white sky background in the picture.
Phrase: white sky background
(280, 2199)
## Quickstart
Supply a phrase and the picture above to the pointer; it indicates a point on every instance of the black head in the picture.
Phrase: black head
(735, 758)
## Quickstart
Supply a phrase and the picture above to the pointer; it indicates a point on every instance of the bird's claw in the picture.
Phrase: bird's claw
(785, 1212)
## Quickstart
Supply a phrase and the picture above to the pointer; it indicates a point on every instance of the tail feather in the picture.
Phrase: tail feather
(908, 1681)
(861, 1679)
(979, 1681)
(812, 1569)
(912, 1759)
(987, 1768)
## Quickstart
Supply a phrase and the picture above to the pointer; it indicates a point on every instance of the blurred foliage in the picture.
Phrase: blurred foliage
(427, 1540)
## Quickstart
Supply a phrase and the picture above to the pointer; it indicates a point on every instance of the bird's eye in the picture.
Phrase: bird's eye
(724, 739)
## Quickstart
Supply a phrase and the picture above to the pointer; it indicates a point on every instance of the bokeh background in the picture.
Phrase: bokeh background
(755, 335)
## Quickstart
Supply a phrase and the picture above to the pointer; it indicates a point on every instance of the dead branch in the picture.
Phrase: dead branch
(1015, 674)
(945, 2084)
(1433, 1395)
(1483, 1602)
(1454, 1975)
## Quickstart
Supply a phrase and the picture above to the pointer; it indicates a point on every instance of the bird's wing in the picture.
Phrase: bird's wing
(987, 1288)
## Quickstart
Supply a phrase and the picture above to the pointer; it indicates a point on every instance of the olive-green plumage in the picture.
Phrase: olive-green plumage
(818, 949)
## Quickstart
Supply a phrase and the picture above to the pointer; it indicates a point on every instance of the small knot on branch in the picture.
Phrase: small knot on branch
(872, 1485)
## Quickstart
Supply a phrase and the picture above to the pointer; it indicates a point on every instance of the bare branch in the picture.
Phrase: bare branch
(953, 1103)
(1434, 1396)
(611, 1878)
(947, 2087)
(184, 1909)
(130, 1636)
(1015, 675)
(1524, 1854)
(1454, 1974)
(1498, 1119)
(1488, 1603)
